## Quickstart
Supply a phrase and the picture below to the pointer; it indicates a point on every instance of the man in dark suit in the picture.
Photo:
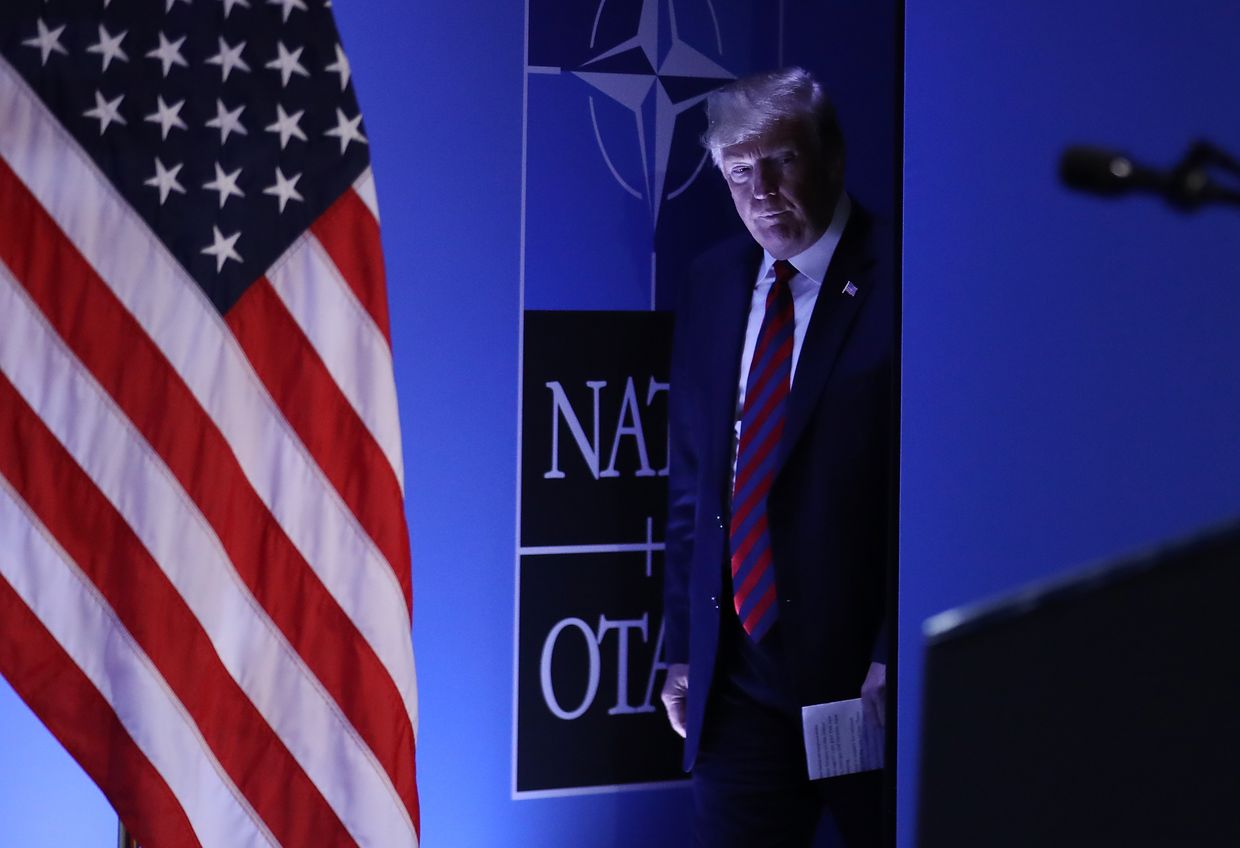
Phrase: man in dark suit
(781, 428)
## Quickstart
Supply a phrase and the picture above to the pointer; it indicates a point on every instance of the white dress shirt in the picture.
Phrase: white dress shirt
(811, 266)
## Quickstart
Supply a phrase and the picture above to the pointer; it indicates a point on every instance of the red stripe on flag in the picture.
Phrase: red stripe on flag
(97, 538)
(125, 361)
(71, 707)
(350, 235)
(322, 417)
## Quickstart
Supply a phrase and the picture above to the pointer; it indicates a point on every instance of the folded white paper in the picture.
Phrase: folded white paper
(839, 739)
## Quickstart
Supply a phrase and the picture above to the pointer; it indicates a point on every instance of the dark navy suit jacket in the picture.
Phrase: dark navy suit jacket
(829, 506)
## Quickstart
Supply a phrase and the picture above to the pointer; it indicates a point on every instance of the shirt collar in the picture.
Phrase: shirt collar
(814, 260)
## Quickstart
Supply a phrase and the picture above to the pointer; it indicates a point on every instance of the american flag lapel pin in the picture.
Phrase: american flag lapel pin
(850, 289)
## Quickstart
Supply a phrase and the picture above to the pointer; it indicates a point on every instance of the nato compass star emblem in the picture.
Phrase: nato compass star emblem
(657, 77)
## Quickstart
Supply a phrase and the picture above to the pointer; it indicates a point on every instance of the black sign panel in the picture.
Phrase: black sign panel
(590, 573)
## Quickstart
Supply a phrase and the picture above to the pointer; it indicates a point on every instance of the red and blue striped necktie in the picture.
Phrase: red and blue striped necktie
(762, 424)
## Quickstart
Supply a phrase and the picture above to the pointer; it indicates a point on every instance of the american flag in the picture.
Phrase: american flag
(204, 563)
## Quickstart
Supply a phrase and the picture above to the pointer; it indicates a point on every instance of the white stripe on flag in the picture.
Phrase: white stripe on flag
(123, 467)
(346, 338)
(365, 188)
(194, 338)
(71, 609)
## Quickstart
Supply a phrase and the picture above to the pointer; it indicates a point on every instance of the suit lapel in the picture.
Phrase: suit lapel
(734, 293)
(829, 324)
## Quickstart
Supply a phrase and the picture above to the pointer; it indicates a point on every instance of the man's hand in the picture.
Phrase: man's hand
(675, 695)
(873, 694)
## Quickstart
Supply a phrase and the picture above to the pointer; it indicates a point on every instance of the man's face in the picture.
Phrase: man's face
(783, 188)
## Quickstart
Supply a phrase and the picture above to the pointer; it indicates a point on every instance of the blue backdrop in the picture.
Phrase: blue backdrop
(1070, 388)
(1070, 383)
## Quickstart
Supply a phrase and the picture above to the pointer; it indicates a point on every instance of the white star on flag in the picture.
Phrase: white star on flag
(227, 122)
(229, 59)
(287, 125)
(167, 117)
(109, 47)
(106, 112)
(48, 41)
(165, 180)
(171, 3)
(284, 189)
(288, 6)
(341, 67)
(168, 53)
(223, 248)
(228, 5)
(346, 130)
(225, 184)
(287, 63)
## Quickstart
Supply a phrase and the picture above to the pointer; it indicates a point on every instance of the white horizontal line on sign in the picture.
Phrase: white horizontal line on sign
(551, 550)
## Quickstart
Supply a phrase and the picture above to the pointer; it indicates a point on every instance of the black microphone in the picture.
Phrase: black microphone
(1187, 186)
(1108, 172)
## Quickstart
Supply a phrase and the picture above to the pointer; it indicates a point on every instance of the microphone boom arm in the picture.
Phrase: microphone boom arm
(1187, 186)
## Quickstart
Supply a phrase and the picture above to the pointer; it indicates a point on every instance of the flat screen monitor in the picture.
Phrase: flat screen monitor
(1103, 710)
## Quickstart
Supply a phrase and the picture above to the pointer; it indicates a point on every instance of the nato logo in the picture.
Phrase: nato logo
(645, 64)
(613, 120)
